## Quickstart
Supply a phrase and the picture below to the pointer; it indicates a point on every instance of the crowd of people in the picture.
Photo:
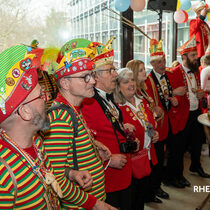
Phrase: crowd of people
(94, 137)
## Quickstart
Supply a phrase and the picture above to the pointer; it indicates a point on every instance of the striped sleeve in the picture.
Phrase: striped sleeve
(6, 189)
(57, 145)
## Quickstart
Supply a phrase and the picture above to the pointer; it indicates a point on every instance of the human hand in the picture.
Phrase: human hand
(199, 93)
(155, 137)
(118, 161)
(138, 144)
(180, 91)
(158, 111)
(104, 151)
(204, 12)
(83, 178)
(131, 128)
(174, 101)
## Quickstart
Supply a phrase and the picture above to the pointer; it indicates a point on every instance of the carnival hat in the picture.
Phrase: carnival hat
(18, 77)
(74, 57)
(189, 46)
(102, 54)
(201, 5)
(156, 50)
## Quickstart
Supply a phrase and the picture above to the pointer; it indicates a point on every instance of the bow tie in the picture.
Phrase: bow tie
(163, 76)
(189, 72)
(109, 97)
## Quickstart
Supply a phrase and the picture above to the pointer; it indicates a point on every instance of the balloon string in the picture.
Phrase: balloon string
(128, 22)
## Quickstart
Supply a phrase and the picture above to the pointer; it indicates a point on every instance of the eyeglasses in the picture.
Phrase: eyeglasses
(86, 77)
(110, 70)
(43, 96)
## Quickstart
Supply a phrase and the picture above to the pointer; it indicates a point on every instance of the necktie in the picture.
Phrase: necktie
(189, 72)
(109, 97)
(163, 76)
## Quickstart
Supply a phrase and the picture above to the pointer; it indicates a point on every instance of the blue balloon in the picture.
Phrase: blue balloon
(122, 5)
(206, 19)
(185, 4)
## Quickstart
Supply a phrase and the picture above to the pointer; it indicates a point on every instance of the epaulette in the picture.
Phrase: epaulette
(168, 69)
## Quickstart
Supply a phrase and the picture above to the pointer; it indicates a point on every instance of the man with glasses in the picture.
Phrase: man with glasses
(25, 172)
(69, 142)
(104, 118)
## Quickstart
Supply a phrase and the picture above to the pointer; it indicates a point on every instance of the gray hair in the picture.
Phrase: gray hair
(123, 74)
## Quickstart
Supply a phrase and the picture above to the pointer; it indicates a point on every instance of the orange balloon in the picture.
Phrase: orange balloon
(137, 5)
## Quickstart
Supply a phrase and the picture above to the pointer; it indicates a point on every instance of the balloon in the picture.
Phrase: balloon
(188, 9)
(191, 14)
(186, 17)
(137, 5)
(207, 6)
(185, 4)
(121, 5)
(179, 16)
(206, 19)
(178, 4)
(208, 16)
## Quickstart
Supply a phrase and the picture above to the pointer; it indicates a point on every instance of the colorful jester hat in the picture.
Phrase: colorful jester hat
(18, 77)
(102, 54)
(156, 50)
(189, 46)
(74, 57)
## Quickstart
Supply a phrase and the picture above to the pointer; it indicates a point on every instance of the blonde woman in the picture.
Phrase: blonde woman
(135, 111)
(139, 73)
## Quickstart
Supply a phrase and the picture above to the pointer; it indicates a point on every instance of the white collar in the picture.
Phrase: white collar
(157, 74)
(101, 92)
(185, 68)
(137, 102)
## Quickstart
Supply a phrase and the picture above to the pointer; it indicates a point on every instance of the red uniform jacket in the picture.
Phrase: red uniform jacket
(200, 29)
(163, 124)
(183, 108)
(128, 117)
(115, 179)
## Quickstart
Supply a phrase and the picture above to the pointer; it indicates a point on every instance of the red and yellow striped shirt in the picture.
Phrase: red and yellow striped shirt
(58, 144)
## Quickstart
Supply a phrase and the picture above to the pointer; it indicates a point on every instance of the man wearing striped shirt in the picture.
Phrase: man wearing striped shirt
(75, 82)
(26, 177)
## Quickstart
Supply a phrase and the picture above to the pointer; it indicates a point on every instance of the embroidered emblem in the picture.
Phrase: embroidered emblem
(25, 64)
(74, 44)
(10, 81)
(74, 68)
(29, 79)
(26, 87)
(15, 73)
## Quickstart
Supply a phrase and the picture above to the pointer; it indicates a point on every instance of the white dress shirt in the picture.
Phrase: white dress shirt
(134, 109)
(109, 102)
(191, 83)
(205, 79)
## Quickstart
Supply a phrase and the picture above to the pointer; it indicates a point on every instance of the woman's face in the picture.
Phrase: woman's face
(128, 87)
(142, 73)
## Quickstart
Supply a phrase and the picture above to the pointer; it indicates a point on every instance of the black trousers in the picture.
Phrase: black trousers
(193, 136)
(120, 199)
(157, 170)
(142, 192)
(175, 149)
